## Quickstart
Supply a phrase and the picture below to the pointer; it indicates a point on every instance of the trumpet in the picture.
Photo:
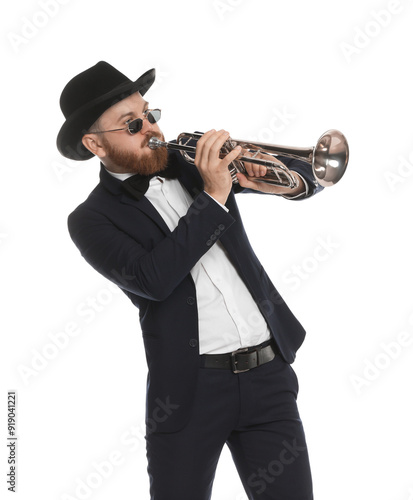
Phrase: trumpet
(328, 158)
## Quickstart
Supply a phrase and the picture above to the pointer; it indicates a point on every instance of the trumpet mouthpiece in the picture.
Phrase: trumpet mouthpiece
(155, 143)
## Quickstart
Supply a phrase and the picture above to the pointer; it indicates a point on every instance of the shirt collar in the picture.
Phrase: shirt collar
(121, 177)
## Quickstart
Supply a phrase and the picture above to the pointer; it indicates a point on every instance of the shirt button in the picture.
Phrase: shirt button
(190, 301)
(193, 342)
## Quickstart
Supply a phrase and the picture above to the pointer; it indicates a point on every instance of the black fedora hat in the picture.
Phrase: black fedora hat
(86, 97)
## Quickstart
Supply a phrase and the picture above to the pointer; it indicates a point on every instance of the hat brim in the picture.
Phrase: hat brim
(69, 140)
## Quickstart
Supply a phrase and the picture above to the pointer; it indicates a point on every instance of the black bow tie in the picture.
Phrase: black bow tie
(138, 184)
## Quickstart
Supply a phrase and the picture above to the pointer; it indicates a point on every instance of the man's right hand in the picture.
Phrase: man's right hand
(214, 170)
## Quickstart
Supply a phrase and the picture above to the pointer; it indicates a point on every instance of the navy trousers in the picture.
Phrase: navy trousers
(255, 414)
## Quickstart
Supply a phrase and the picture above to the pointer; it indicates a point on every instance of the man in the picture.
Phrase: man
(219, 339)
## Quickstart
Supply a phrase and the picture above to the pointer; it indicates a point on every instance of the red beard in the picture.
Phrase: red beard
(145, 164)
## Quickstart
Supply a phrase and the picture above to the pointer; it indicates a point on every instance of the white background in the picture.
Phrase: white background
(278, 71)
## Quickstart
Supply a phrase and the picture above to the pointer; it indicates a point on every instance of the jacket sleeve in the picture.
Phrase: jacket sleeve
(154, 273)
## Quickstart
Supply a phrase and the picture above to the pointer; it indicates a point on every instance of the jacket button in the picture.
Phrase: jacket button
(221, 227)
(213, 237)
(217, 232)
(209, 243)
(190, 301)
(193, 342)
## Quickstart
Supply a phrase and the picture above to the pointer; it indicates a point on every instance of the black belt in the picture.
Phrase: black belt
(243, 359)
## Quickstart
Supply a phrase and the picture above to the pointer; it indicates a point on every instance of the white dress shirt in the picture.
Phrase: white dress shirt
(228, 317)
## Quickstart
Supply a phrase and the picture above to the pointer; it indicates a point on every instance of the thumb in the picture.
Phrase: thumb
(244, 182)
(260, 186)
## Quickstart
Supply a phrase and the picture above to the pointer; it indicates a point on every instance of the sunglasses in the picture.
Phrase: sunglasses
(134, 126)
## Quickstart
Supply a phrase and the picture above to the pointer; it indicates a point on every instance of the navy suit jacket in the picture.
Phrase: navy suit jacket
(127, 241)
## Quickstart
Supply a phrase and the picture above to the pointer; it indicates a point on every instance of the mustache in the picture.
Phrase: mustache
(158, 135)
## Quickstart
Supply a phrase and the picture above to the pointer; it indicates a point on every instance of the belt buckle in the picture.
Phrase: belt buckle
(234, 362)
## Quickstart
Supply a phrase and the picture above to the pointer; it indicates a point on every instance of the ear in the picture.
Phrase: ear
(94, 145)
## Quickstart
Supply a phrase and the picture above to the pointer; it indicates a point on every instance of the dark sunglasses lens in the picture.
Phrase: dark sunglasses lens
(135, 126)
(154, 115)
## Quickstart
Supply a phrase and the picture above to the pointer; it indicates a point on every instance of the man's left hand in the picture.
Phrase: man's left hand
(256, 171)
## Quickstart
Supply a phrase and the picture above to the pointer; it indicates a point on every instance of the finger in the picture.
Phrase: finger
(231, 156)
(200, 145)
(215, 144)
(208, 140)
(255, 170)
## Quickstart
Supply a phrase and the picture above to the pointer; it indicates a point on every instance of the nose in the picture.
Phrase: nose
(147, 126)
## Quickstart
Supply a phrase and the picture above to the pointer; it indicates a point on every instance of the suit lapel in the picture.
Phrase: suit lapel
(144, 205)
